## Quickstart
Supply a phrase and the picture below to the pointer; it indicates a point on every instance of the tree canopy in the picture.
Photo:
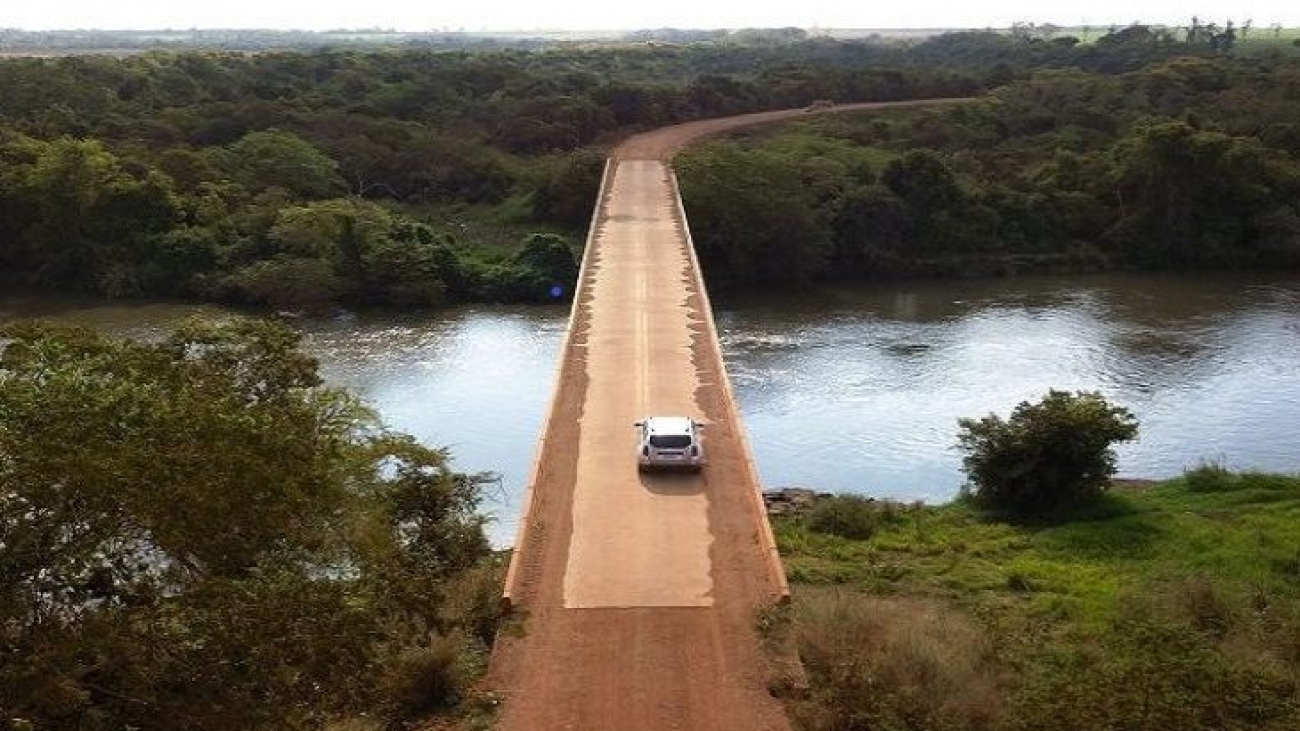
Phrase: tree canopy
(1053, 454)
(185, 174)
(1186, 162)
(195, 531)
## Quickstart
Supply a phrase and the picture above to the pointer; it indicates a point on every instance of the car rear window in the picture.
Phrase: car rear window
(670, 441)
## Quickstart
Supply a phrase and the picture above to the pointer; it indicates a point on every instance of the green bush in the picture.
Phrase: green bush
(423, 679)
(285, 282)
(1184, 656)
(1266, 481)
(473, 600)
(567, 191)
(544, 269)
(1211, 477)
(850, 516)
(1047, 456)
(1214, 477)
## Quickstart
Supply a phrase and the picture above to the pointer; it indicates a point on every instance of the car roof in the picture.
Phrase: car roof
(669, 424)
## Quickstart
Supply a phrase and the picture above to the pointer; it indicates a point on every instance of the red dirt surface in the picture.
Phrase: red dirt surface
(637, 593)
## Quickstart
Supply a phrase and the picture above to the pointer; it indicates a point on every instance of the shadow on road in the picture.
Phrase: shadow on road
(673, 484)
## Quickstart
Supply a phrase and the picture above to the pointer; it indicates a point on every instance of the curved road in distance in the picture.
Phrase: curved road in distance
(638, 592)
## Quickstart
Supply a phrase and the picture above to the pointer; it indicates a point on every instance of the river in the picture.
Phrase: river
(849, 389)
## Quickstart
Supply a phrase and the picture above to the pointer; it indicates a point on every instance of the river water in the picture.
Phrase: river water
(854, 389)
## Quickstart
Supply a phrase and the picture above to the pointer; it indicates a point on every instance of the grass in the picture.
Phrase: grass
(1188, 589)
(912, 665)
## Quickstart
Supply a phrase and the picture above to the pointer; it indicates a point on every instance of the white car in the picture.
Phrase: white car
(670, 442)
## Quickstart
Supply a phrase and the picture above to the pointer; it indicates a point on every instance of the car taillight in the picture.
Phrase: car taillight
(645, 451)
(695, 451)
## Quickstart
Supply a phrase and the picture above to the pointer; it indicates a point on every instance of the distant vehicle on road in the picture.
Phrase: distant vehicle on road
(670, 442)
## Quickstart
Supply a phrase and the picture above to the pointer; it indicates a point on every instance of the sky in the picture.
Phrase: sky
(476, 15)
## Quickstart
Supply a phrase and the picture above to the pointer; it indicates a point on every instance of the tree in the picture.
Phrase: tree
(553, 123)
(568, 190)
(1047, 456)
(754, 217)
(1225, 40)
(869, 222)
(407, 268)
(87, 218)
(544, 269)
(275, 158)
(936, 206)
(194, 532)
(922, 180)
(369, 253)
(285, 282)
(1193, 197)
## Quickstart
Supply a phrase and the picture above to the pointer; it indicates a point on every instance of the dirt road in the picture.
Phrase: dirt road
(639, 592)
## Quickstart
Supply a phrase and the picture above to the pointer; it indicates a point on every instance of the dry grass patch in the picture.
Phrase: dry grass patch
(892, 663)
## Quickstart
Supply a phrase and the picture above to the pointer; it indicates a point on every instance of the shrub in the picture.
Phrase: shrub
(286, 282)
(544, 269)
(1266, 481)
(428, 678)
(1214, 477)
(1049, 455)
(1210, 477)
(850, 516)
(1178, 657)
(566, 191)
(473, 600)
(896, 663)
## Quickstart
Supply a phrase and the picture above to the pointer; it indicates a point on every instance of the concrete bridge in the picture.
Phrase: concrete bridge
(638, 593)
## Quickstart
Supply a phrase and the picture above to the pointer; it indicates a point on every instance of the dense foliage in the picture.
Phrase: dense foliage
(404, 178)
(412, 178)
(1049, 455)
(1186, 161)
(194, 533)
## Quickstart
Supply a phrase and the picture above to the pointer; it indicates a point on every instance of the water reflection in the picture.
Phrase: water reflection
(475, 380)
(869, 399)
(850, 389)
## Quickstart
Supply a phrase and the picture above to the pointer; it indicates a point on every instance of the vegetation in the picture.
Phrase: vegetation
(397, 178)
(13, 40)
(1050, 455)
(1137, 151)
(414, 177)
(1174, 605)
(195, 532)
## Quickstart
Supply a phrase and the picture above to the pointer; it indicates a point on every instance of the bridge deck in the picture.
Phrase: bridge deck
(640, 590)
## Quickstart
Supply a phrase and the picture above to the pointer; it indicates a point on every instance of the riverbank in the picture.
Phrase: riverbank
(1172, 605)
(849, 389)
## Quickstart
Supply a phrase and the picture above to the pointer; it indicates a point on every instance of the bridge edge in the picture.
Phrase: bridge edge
(775, 568)
(510, 591)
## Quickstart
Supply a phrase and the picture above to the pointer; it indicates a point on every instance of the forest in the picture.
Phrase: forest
(422, 177)
(1183, 162)
(389, 178)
